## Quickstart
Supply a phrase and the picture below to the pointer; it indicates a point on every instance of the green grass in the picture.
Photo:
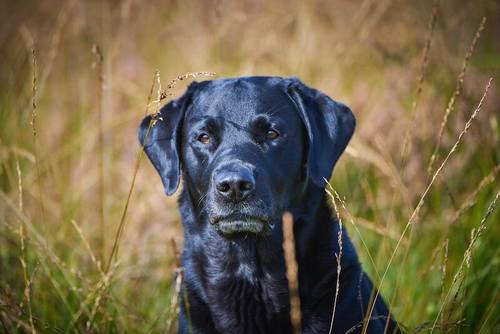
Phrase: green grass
(367, 54)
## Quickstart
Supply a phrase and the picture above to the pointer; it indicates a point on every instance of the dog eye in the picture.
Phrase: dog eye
(272, 134)
(204, 138)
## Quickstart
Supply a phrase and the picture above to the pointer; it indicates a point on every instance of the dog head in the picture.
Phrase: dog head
(247, 148)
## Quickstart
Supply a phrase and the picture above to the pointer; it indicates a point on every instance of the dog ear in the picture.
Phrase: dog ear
(329, 127)
(162, 139)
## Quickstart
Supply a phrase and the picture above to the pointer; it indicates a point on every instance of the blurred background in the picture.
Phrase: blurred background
(73, 185)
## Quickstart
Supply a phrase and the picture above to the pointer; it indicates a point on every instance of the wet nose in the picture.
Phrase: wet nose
(234, 183)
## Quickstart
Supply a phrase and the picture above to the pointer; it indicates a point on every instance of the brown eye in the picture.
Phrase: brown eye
(204, 138)
(272, 134)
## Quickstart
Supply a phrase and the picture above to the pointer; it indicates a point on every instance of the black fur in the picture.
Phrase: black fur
(233, 259)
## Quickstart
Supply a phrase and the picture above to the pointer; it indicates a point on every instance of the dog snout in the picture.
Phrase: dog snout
(234, 182)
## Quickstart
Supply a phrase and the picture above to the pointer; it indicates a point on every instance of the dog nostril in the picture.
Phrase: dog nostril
(235, 184)
(223, 187)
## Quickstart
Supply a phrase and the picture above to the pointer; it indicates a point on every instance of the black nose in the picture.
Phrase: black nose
(234, 183)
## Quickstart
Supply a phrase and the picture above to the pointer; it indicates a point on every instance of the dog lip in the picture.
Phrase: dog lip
(243, 223)
(240, 217)
(241, 226)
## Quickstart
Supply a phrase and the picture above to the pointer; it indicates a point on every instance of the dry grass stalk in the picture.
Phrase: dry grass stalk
(140, 154)
(424, 195)
(443, 274)
(351, 219)
(23, 257)
(150, 95)
(471, 198)
(292, 272)
(97, 303)
(456, 93)
(33, 92)
(114, 250)
(460, 278)
(43, 252)
(423, 66)
(342, 202)
(95, 294)
(384, 164)
(335, 198)
(163, 94)
(97, 263)
(174, 304)
(372, 226)
(98, 64)
(121, 225)
(188, 311)
(469, 201)
(12, 318)
(426, 326)
(34, 130)
(452, 150)
(62, 18)
(36, 238)
(395, 287)
(159, 93)
(93, 258)
(360, 325)
(426, 269)
(19, 185)
(475, 234)
(339, 259)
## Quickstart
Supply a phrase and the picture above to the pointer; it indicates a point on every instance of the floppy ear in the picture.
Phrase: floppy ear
(162, 142)
(329, 127)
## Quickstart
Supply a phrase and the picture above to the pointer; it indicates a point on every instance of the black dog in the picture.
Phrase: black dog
(249, 149)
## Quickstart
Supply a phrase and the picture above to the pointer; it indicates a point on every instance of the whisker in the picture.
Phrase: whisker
(277, 108)
(200, 200)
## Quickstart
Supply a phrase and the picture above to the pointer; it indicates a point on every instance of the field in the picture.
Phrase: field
(88, 240)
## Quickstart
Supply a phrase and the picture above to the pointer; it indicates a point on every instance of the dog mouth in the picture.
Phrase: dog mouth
(243, 224)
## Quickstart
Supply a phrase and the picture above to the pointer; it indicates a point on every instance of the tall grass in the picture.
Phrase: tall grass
(85, 230)
(292, 272)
